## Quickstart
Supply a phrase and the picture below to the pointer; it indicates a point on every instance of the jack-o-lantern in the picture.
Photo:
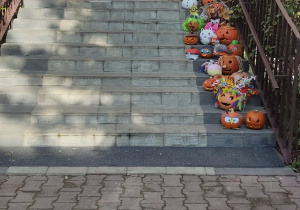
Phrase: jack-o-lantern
(231, 119)
(230, 64)
(191, 39)
(205, 2)
(228, 98)
(255, 119)
(235, 48)
(209, 83)
(206, 52)
(226, 34)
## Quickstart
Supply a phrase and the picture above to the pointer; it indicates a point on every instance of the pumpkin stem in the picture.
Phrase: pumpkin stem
(231, 110)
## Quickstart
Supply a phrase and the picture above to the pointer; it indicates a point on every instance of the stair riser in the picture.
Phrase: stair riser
(86, 14)
(69, 25)
(21, 36)
(120, 99)
(92, 51)
(92, 65)
(24, 81)
(125, 5)
(126, 82)
(15, 118)
(18, 99)
(153, 119)
(84, 140)
(102, 4)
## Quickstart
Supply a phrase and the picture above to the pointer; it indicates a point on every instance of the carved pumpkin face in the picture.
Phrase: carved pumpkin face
(231, 120)
(229, 64)
(230, 98)
(227, 34)
(235, 48)
(207, 2)
(206, 52)
(255, 119)
(191, 39)
(193, 26)
(208, 84)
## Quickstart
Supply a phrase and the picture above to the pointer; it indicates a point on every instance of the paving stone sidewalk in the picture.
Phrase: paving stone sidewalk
(168, 192)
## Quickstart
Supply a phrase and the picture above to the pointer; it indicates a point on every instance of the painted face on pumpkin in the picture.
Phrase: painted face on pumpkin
(227, 34)
(231, 120)
(229, 64)
(230, 98)
(206, 52)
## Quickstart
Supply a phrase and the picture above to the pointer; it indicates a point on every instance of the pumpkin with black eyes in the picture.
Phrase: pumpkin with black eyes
(231, 119)
(191, 39)
(226, 34)
(230, 64)
(255, 119)
(205, 2)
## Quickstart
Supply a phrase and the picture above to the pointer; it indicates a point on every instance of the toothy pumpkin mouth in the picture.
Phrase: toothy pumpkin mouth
(227, 69)
(225, 104)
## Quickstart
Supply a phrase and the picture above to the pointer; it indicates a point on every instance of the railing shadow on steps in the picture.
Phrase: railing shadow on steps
(8, 11)
(272, 44)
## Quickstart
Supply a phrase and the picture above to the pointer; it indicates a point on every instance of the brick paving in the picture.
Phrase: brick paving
(148, 192)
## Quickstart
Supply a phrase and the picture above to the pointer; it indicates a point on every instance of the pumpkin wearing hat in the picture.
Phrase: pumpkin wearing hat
(235, 48)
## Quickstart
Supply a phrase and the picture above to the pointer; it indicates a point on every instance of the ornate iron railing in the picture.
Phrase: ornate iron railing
(272, 44)
(8, 10)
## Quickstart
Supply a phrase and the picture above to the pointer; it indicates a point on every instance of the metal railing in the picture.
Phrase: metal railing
(272, 44)
(8, 11)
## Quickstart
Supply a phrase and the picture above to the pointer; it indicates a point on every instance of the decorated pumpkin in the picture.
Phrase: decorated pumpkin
(206, 35)
(209, 83)
(206, 52)
(230, 64)
(235, 48)
(228, 98)
(205, 2)
(214, 69)
(255, 119)
(192, 54)
(191, 39)
(231, 119)
(193, 21)
(227, 34)
(187, 4)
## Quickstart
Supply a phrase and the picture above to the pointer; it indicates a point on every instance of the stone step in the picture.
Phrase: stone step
(102, 14)
(12, 135)
(17, 95)
(96, 25)
(103, 4)
(120, 4)
(104, 50)
(69, 64)
(118, 96)
(96, 38)
(145, 135)
(134, 114)
(16, 114)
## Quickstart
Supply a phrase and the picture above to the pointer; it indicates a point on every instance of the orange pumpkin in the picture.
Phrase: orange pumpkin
(208, 84)
(230, 64)
(231, 119)
(191, 39)
(255, 119)
(235, 48)
(206, 52)
(193, 25)
(226, 34)
(207, 2)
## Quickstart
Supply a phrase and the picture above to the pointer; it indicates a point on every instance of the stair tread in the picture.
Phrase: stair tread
(109, 89)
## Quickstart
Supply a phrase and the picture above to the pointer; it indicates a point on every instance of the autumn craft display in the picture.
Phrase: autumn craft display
(215, 10)
(209, 83)
(191, 38)
(255, 119)
(206, 35)
(231, 119)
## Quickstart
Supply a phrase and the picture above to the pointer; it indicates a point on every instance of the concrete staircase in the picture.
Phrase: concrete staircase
(108, 73)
